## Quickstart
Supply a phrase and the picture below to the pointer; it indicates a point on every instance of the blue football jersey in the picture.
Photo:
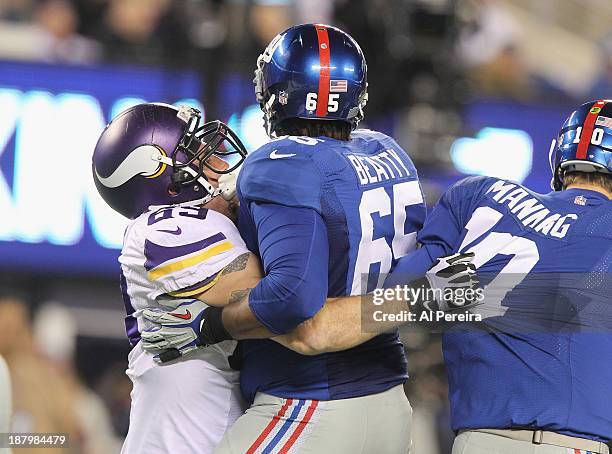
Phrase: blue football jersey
(542, 356)
(367, 192)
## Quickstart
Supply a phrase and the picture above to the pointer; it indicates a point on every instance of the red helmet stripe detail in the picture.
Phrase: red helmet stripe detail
(324, 58)
(587, 130)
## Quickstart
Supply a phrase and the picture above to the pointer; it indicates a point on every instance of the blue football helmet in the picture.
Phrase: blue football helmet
(311, 71)
(156, 154)
(584, 143)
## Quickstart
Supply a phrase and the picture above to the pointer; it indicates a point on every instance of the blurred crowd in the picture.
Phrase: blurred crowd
(508, 48)
(145, 31)
(49, 394)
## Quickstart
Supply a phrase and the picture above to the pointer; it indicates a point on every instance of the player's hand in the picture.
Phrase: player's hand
(455, 280)
(176, 332)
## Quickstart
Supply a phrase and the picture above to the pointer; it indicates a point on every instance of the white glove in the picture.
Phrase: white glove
(176, 332)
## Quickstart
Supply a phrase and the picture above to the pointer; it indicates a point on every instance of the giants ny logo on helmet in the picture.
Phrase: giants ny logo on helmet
(311, 71)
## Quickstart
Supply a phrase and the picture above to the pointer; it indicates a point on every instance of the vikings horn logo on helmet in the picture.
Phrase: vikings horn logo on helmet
(156, 154)
(145, 160)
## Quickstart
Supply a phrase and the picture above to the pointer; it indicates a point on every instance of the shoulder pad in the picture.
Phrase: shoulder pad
(369, 134)
(474, 183)
(282, 172)
(180, 247)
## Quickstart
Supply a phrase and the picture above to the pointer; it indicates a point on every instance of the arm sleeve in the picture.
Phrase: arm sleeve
(294, 250)
(441, 235)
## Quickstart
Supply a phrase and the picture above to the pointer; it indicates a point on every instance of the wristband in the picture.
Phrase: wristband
(212, 330)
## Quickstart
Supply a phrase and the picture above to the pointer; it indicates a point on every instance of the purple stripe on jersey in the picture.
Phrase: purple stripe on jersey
(131, 328)
(156, 254)
(131, 324)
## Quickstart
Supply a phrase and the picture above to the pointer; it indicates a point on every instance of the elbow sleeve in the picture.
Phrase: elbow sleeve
(412, 266)
(294, 249)
(280, 307)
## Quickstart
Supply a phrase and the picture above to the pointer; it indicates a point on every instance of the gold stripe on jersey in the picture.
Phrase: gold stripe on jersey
(197, 291)
(162, 271)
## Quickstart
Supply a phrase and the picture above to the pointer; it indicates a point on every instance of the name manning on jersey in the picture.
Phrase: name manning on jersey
(530, 211)
(383, 166)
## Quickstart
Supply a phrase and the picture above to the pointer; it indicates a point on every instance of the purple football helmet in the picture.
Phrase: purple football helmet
(156, 154)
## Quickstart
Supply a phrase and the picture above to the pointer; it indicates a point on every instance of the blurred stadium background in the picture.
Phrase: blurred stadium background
(466, 86)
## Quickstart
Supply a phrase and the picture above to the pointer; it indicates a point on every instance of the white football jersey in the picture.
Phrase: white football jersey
(172, 253)
(5, 399)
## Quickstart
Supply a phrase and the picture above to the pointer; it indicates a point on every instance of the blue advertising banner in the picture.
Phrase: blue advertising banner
(51, 217)
(522, 145)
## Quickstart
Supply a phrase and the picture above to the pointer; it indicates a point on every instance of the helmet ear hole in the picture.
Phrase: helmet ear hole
(174, 189)
(180, 176)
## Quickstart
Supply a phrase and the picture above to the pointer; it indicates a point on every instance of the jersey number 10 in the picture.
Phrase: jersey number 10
(523, 252)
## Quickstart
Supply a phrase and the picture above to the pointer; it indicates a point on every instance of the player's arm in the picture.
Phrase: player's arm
(233, 281)
(233, 289)
(178, 331)
(202, 263)
(338, 326)
(294, 248)
(280, 202)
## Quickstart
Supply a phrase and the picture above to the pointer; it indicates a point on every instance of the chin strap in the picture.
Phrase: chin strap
(551, 160)
(227, 185)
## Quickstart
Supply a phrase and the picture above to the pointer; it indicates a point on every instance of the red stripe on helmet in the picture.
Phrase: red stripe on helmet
(324, 57)
(587, 129)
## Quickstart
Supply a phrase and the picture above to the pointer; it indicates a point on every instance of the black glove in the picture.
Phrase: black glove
(450, 284)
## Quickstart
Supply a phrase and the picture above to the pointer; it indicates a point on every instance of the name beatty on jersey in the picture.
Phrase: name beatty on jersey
(383, 166)
(529, 210)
